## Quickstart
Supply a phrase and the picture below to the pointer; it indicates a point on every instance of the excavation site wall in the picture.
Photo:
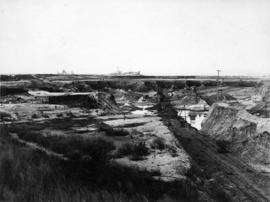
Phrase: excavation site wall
(242, 133)
(100, 100)
(86, 101)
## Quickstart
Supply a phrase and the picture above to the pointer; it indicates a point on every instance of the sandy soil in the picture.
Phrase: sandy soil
(171, 167)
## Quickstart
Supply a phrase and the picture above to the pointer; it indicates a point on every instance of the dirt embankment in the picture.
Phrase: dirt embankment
(211, 99)
(105, 101)
(218, 176)
(86, 101)
(241, 133)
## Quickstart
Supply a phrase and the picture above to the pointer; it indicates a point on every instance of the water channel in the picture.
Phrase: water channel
(194, 118)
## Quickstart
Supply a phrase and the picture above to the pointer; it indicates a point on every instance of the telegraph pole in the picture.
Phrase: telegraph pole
(218, 71)
(218, 84)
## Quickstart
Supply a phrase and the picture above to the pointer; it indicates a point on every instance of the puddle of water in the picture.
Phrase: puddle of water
(47, 93)
(195, 119)
(144, 107)
(142, 112)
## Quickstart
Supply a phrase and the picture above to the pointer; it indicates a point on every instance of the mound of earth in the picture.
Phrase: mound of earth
(191, 102)
(240, 132)
(258, 108)
(211, 99)
(105, 101)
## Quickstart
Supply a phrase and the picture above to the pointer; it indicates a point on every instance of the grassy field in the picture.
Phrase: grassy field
(29, 175)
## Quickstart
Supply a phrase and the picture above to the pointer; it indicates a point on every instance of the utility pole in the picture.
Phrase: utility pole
(218, 71)
(218, 84)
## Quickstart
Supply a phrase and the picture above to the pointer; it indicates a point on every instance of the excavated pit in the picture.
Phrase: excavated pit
(242, 133)
(133, 113)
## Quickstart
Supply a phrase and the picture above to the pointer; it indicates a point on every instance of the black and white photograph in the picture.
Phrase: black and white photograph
(134, 100)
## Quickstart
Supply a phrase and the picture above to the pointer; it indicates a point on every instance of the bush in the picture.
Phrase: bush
(158, 143)
(116, 132)
(125, 149)
(59, 115)
(31, 175)
(72, 146)
(34, 116)
(12, 90)
(112, 132)
(136, 151)
(26, 175)
(223, 146)
(139, 150)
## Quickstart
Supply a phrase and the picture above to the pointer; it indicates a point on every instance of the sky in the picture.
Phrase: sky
(158, 37)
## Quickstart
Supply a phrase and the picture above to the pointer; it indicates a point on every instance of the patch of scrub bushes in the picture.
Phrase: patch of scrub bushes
(223, 146)
(12, 90)
(73, 146)
(136, 151)
(27, 175)
(112, 131)
(30, 175)
(158, 143)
